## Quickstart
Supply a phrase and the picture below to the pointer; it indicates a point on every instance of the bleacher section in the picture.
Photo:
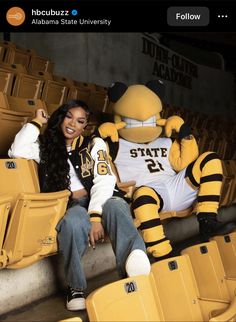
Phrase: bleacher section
(199, 285)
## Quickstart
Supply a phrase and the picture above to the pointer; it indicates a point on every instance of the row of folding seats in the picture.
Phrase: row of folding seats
(212, 133)
(195, 286)
(53, 89)
(22, 207)
(12, 54)
(210, 138)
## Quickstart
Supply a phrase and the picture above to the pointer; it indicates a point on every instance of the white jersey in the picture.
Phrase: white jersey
(148, 164)
(144, 163)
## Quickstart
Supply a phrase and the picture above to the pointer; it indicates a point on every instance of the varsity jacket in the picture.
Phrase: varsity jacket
(88, 157)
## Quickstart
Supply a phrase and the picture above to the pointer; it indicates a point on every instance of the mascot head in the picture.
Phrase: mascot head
(139, 106)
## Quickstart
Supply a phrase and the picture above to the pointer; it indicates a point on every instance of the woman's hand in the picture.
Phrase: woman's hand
(41, 116)
(96, 233)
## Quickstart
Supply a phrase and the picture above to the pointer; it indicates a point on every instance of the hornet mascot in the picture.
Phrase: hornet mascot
(169, 174)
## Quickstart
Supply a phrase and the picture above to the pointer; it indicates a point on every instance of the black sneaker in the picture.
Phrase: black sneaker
(209, 226)
(75, 299)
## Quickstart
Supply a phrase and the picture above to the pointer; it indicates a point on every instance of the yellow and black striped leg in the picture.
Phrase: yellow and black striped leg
(146, 205)
(206, 174)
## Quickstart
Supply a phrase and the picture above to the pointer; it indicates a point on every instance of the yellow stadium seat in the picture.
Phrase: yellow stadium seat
(5, 204)
(176, 287)
(10, 124)
(15, 68)
(8, 47)
(25, 105)
(18, 55)
(80, 93)
(6, 81)
(97, 101)
(3, 101)
(22, 173)
(101, 88)
(27, 86)
(2, 51)
(41, 63)
(72, 93)
(212, 283)
(41, 74)
(51, 107)
(130, 299)
(179, 294)
(227, 248)
(89, 86)
(63, 80)
(54, 92)
(168, 293)
(31, 233)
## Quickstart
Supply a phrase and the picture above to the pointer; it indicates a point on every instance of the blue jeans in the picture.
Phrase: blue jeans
(74, 228)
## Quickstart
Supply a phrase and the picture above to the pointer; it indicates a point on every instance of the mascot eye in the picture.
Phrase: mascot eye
(116, 90)
(157, 87)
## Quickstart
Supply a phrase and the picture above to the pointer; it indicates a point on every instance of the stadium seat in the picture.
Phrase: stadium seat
(169, 293)
(179, 294)
(10, 124)
(25, 105)
(41, 74)
(5, 204)
(27, 86)
(176, 287)
(3, 101)
(6, 81)
(72, 93)
(97, 101)
(227, 248)
(31, 233)
(63, 80)
(41, 63)
(101, 88)
(8, 47)
(15, 68)
(51, 107)
(54, 92)
(80, 93)
(18, 176)
(130, 299)
(2, 51)
(216, 291)
(18, 55)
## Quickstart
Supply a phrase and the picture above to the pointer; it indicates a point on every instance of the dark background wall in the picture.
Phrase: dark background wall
(102, 58)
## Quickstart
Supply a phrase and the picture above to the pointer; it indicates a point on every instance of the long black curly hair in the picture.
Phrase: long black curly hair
(54, 167)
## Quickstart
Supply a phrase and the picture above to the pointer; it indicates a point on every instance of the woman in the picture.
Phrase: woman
(67, 160)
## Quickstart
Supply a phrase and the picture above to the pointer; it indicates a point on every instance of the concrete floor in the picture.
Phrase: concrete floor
(53, 309)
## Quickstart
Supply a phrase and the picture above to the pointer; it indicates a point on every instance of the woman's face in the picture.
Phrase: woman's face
(73, 124)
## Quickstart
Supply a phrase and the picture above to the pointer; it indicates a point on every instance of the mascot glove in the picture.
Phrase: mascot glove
(170, 124)
(111, 130)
